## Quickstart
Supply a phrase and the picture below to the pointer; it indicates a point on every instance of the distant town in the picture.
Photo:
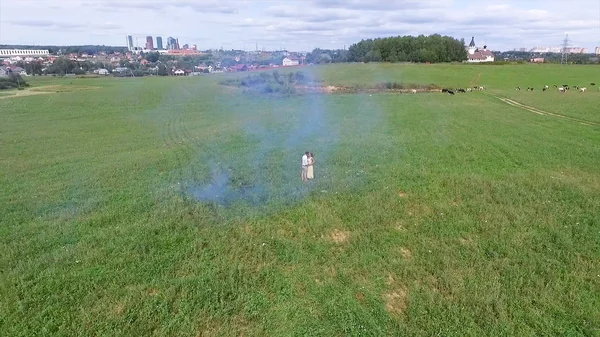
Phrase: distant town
(156, 57)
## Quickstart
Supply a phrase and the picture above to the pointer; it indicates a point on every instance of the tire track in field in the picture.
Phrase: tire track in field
(184, 144)
(542, 112)
(172, 138)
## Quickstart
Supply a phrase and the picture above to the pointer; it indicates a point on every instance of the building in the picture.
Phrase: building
(179, 72)
(183, 52)
(291, 61)
(149, 43)
(7, 53)
(159, 44)
(130, 43)
(576, 50)
(597, 51)
(477, 55)
(172, 44)
(546, 50)
(537, 60)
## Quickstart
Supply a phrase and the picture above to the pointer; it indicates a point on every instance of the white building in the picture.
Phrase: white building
(6, 53)
(476, 55)
(545, 50)
(291, 61)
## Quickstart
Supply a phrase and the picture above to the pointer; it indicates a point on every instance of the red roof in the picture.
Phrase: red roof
(480, 55)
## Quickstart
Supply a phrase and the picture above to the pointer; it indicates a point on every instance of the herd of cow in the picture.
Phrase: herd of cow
(464, 90)
(562, 89)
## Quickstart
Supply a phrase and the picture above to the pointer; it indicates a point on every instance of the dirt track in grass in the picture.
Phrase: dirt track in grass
(542, 112)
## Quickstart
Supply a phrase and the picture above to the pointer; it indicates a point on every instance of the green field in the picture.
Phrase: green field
(430, 214)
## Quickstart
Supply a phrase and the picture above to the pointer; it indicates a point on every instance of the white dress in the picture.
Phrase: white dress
(310, 174)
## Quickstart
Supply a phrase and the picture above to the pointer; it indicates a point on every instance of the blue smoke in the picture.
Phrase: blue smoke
(271, 171)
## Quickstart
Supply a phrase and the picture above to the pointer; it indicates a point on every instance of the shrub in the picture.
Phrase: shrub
(12, 81)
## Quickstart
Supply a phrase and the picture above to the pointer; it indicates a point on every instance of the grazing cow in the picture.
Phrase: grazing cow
(583, 89)
(451, 92)
(556, 86)
(561, 89)
(565, 85)
(518, 88)
(469, 89)
(576, 86)
(546, 87)
(529, 89)
(481, 88)
(445, 90)
(460, 90)
(592, 83)
(414, 91)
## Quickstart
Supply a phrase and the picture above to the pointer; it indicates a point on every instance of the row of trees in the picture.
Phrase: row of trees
(525, 56)
(433, 48)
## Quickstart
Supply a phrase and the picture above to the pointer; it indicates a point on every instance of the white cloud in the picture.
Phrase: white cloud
(300, 24)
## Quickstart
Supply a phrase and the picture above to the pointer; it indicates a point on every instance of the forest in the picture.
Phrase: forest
(433, 49)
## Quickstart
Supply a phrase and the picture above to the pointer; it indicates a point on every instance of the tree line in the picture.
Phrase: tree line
(433, 48)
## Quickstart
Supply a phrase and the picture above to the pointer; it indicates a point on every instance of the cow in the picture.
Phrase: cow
(583, 89)
(444, 90)
(451, 92)
(481, 88)
(546, 87)
(460, 90)
(469, 89)
(414, 91)
(592, 83)
(561, 89)
(518, 88)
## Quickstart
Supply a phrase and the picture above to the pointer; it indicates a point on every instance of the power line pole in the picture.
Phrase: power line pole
(564, 52)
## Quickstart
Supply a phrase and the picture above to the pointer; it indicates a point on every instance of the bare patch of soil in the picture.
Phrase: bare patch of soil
(119, 308)
(339, 236)
(396, 301)
(406, 253)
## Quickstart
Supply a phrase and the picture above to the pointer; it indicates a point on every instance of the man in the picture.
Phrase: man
(305, 166)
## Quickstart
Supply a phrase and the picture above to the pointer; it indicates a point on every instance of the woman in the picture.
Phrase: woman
(311, 161)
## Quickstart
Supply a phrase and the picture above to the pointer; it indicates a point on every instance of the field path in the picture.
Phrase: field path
(542, 112)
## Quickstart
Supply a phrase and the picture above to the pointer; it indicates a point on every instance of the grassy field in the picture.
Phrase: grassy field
(174, 206)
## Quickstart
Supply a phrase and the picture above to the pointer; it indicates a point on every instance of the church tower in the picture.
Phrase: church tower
(472, 47)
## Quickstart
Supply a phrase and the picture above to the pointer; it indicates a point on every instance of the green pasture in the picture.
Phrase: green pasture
(430, 214)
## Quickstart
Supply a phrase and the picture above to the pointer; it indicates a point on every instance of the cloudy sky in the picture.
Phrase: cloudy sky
(299, 25)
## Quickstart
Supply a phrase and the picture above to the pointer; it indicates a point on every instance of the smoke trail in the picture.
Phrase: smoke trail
(271, 171)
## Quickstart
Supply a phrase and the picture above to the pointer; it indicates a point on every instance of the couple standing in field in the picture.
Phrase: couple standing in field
(308, 161)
